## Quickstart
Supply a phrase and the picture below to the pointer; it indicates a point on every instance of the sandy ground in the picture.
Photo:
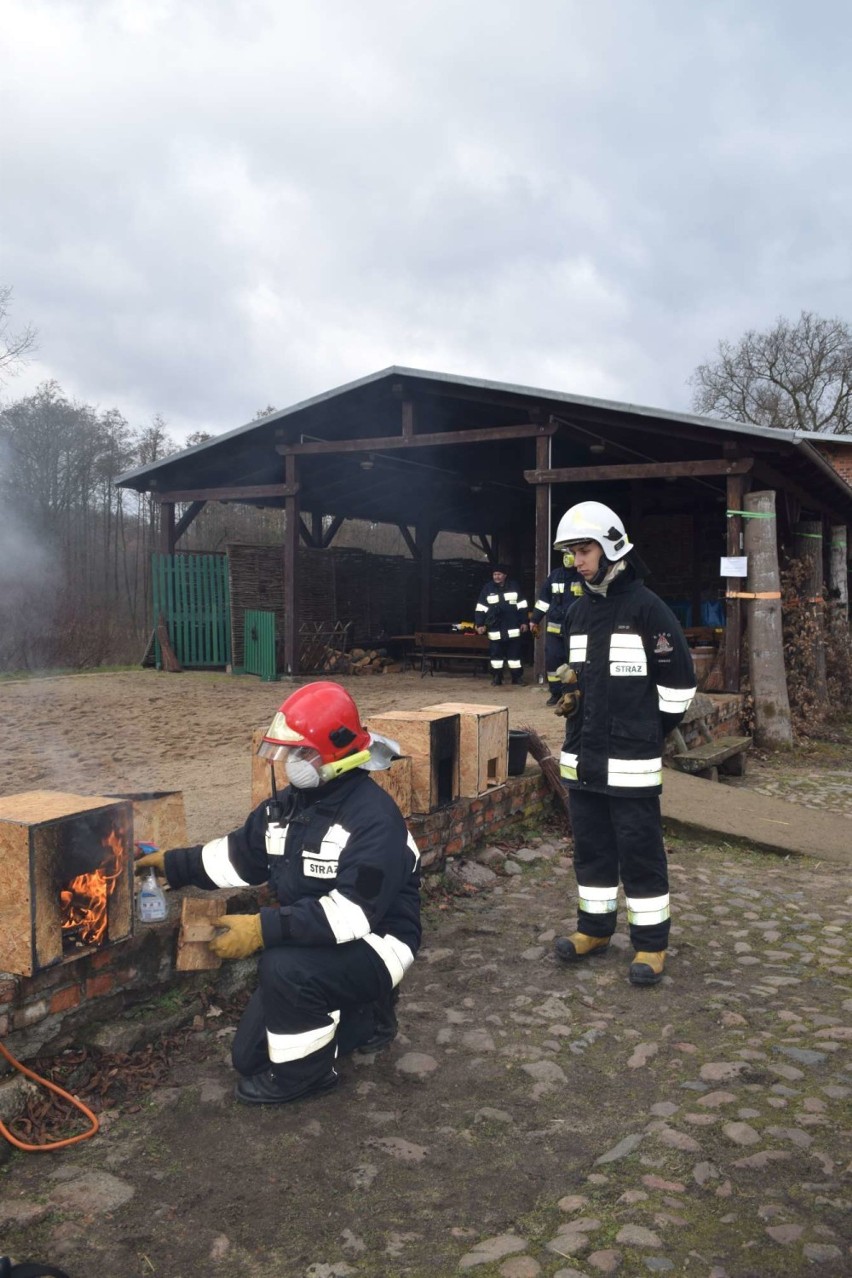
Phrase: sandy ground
(148, 730)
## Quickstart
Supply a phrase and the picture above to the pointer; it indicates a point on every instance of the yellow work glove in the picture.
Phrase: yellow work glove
(156, 859)
(239, 935)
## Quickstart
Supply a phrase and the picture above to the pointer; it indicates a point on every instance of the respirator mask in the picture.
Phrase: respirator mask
(305, 769)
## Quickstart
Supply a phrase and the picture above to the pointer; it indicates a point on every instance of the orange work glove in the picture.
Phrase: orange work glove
(238, 936)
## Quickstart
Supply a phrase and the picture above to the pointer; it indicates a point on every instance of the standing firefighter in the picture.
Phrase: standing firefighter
(556, 596)
(634, 682)
(501, 612)
(346, 926)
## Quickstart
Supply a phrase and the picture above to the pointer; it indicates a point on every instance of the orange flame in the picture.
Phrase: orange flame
(84, 900)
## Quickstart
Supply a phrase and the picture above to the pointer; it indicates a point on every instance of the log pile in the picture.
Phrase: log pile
(360, 661)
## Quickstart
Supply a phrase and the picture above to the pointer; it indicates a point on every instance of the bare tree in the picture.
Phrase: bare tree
(14, 347)
(796, 376)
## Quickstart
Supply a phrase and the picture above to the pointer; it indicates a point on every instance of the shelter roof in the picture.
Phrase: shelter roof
(469, 486)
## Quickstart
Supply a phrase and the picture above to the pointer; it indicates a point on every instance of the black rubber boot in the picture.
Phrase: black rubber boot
(497, 680)
(267, 1088)
(517, 679)
(385, 1026)
(555, 694)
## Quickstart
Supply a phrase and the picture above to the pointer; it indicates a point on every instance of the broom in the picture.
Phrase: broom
(540, 751)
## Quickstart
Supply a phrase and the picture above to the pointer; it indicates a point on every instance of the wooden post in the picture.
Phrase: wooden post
(733, 607)
(838, 577)
(291, 542)
(807, 546)
(167, 528)
(425, 537)
(772, 726)
(542, 544)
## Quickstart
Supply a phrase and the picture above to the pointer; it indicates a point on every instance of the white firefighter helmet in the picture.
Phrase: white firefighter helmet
(592, 521)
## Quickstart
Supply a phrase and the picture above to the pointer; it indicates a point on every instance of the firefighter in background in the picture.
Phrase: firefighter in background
(346, 924)
(556, 596)
(634, 683)
(501, 613)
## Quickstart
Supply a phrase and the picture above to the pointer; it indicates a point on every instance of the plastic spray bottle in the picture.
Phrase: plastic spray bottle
(151, 899)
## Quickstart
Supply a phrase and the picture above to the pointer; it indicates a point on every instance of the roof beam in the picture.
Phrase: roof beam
(249, 492)
(639, 470)
(485, 435)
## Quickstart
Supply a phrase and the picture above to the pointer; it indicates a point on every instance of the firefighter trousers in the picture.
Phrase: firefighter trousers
(554, 657)
(620, 838)
(293, 1017)
(505, 652)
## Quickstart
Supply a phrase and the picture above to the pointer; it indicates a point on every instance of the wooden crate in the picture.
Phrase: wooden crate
(396, 780)
(431, 740)
(483, 745)
(37, 829)
(159, 817)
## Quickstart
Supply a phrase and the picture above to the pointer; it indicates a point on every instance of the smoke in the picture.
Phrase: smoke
(29, 578)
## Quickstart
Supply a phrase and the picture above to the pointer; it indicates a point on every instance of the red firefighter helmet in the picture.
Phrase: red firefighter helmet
(321, 715)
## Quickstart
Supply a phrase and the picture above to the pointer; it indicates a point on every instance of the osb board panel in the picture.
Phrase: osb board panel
(483, 745)
(417, 733)
(31, 807)
(261, 773)
(17, 941)
(396, 781)
(159, 818)
(197, 924)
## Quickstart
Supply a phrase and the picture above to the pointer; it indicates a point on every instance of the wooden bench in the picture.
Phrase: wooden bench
(433, 648)
(715, 754)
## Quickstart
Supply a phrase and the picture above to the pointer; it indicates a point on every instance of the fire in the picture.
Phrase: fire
(84, 900)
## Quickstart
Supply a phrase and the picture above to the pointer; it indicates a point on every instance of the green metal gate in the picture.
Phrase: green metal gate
(192, 594)
(259, 644)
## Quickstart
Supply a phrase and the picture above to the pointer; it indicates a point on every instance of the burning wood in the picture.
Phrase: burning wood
(84, 901)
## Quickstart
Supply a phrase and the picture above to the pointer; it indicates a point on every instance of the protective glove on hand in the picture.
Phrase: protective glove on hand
(156, 859)
(239, 936)
(569, 702)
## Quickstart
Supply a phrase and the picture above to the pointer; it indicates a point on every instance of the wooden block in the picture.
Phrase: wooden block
(396, 781)
(483, 745)
(197, 926)
(431, 739)
(261, 772)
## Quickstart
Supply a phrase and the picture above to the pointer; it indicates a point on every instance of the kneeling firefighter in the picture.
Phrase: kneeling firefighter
(336, 852)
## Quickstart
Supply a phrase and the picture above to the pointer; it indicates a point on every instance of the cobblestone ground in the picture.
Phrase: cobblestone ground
(529, 1120)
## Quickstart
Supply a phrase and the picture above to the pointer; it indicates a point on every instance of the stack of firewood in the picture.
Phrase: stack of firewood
(359, 661)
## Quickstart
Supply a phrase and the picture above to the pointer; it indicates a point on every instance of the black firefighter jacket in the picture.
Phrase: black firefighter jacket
(636, 680)
(501, 609)
(339, 859)
(560, 590)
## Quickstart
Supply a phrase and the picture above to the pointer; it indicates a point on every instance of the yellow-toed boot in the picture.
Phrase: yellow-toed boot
(647, 967)
(577, 946)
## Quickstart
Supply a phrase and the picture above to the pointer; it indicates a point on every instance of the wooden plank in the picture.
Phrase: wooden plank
(381, 443)
(188, 516)
(733, 607)
(197, 927)
(240, 492)
(639, 470)
(291, 541)
(483, 745)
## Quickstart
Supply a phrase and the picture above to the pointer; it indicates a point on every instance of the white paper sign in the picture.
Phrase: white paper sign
(733, 566)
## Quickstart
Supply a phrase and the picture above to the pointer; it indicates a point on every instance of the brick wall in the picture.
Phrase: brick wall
(840, 457)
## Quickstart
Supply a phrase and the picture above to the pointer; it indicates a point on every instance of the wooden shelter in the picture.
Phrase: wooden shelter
(432, 452)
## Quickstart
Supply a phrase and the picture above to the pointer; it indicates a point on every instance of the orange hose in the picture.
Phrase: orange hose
(56, 1144)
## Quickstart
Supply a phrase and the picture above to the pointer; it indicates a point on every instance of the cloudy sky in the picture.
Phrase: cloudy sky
(208, 206)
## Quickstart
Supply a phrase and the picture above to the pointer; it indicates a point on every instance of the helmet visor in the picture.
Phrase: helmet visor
(279, 739)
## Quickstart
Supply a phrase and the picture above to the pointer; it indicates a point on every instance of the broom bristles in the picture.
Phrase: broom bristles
(540, 751)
